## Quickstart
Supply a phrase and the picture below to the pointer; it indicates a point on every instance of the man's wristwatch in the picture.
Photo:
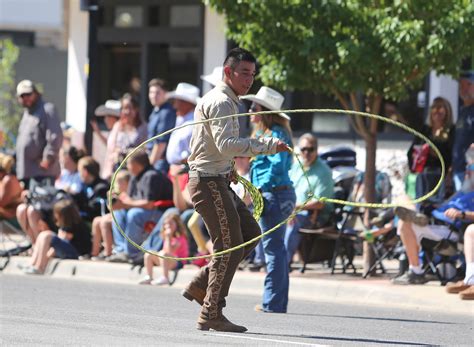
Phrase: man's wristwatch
(463, 215)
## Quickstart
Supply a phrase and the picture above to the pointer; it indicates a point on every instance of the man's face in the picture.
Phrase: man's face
(157, 96)
(28, 99)
(309, 152)
(241, 77)
(466, 89)
(182, 107)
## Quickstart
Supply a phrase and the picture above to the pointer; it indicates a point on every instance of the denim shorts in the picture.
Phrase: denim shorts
(63, 248)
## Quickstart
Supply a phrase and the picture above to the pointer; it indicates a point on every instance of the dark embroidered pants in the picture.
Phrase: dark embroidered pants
(229, 223)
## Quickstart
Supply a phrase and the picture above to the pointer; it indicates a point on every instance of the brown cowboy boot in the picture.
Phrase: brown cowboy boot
(221, 323)
(193, 292)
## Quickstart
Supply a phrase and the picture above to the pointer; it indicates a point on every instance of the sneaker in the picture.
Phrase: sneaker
(160, 281)
(456, 288)
(146, 280)
(411, 216)
(100, 257)
(467, 294)
(118, 258)
(30, 270)
(410, 277)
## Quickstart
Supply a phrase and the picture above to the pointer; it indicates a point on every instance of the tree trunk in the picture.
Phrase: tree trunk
(370, 174)
(369, 195)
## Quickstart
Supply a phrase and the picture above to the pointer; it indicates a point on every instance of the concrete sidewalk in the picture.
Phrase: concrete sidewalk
(315, 285)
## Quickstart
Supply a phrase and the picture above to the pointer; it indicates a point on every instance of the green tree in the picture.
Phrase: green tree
(381, 49)
(10, 111)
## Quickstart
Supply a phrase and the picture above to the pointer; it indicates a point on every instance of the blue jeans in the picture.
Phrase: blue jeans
(292, 235)
(278, 206)
(132, 222)
(63, 248)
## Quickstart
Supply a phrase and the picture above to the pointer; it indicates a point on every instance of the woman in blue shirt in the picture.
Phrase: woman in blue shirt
(269, 173)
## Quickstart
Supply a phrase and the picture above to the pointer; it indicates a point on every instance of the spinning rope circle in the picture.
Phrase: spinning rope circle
(255, 194)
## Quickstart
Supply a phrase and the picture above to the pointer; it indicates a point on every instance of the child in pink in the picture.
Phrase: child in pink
(175, 244)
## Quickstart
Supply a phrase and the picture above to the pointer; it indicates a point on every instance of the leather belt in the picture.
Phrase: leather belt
(280, 188)
(197, 174)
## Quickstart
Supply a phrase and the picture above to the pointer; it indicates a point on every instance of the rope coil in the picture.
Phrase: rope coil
(255, 194)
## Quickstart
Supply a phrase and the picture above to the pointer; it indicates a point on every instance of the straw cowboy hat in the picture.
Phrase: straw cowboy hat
(110, 108)
(186, 92)
(215, 77)
(268, 98)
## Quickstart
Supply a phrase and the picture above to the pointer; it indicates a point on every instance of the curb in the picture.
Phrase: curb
(355, 291)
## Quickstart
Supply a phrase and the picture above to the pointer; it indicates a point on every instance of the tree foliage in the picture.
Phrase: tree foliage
(10, 112)
(381, 49)
(376, 47)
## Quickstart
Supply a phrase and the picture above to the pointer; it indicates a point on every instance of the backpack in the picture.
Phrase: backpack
(43, 198)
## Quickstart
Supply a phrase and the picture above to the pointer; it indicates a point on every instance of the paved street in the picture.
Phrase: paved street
(49, 311)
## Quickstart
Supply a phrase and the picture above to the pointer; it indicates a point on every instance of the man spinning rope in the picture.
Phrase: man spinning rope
(229, 222)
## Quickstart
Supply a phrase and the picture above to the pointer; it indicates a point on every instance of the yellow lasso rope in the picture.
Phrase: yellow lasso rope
(254, 193)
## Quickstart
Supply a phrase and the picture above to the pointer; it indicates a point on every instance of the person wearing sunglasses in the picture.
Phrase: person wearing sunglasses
(39, 137)
(321, 184)
(270, 174)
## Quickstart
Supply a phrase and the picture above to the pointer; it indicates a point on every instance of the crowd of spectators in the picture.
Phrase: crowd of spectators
(58, 194)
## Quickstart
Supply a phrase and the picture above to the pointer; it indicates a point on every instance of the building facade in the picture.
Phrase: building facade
(84, 52)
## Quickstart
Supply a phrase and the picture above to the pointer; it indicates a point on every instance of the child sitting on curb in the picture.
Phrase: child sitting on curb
(175, 244)
(73, 238)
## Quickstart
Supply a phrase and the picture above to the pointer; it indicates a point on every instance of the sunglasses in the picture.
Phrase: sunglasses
(25, 95)
(307, 149)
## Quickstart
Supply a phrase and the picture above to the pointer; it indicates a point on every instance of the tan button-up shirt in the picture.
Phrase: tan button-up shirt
(215, 144)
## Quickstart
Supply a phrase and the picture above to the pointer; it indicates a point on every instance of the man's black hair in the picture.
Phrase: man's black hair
(236, 55)
(140, 157)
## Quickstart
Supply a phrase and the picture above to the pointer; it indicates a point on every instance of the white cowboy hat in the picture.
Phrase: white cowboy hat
(268, 98)
(215, 77)
(186, 92)
(110, 108)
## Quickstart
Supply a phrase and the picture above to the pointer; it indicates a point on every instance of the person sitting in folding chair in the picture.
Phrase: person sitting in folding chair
(465, 287)
(413, 227)
(321, 184)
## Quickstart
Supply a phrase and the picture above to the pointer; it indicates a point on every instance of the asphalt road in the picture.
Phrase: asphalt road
(46, 311)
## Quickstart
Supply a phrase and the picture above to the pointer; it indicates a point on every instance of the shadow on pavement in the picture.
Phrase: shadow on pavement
(344, 339)
(372, 318)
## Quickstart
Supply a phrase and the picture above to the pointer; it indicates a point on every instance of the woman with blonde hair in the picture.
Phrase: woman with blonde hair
(10, 188)
(270, 174)
(440, 130)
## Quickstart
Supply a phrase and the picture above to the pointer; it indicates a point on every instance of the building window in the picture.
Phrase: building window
(19, 38)
(185, 16)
